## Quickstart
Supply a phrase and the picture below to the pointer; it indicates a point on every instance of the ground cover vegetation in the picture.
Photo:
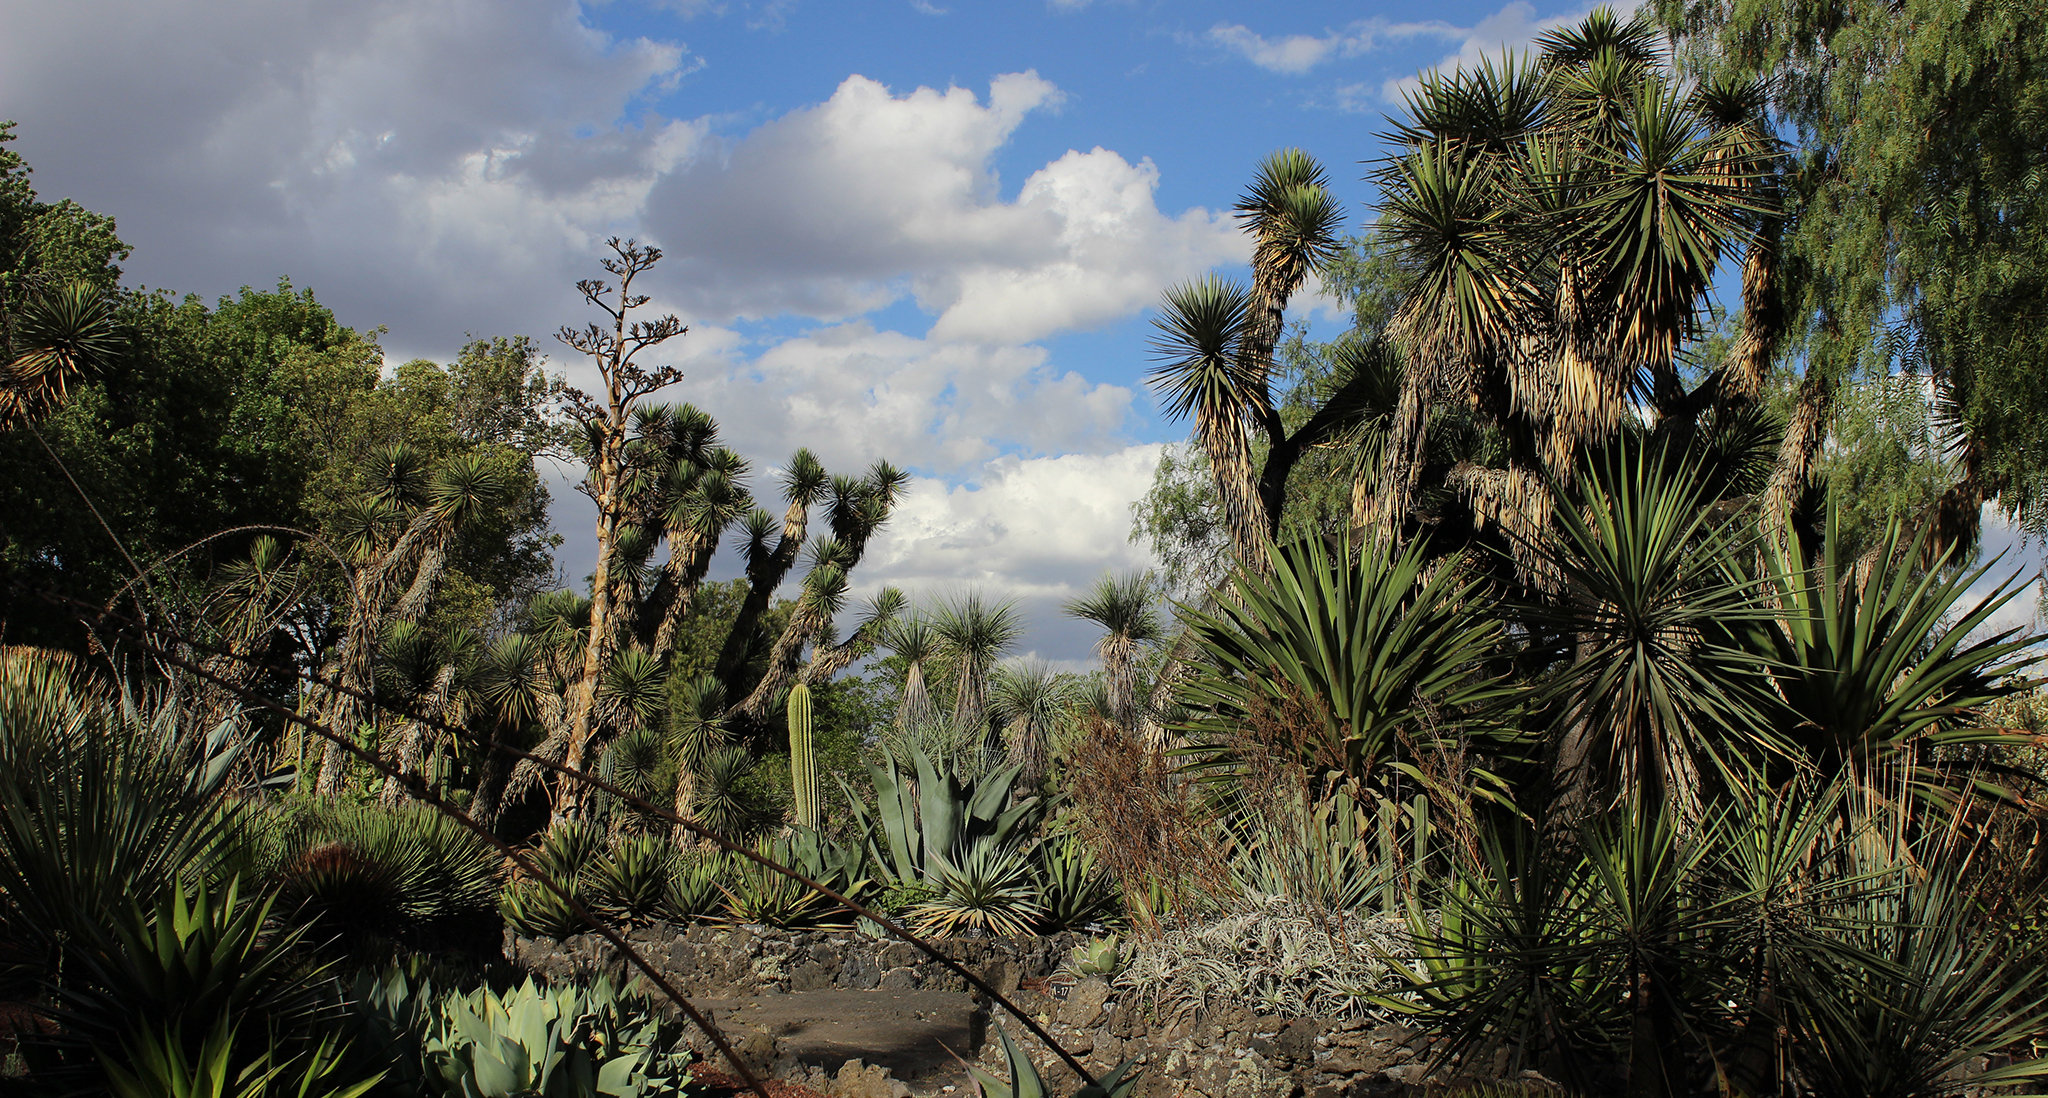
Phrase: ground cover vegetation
(1585, 656)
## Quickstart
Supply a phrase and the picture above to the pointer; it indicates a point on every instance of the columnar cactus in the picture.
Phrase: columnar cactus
(803, 760)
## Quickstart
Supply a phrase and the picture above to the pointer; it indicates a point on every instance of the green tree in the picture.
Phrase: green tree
(1917, 219)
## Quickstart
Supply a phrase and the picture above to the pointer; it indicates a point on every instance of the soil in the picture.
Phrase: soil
(920, 1036)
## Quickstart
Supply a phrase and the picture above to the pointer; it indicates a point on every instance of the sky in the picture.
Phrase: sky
(925, 231)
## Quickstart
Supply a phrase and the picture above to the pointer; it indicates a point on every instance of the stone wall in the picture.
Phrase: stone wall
(717, 961)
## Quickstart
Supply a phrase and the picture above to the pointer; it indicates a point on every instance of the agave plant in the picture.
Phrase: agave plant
(571, 1042)
(1073, 891)
(633, 881)
(693, 890)
(991, 890)
(938, 817)
(1368, 646)
(1025, 1082)
(756, 894)
(155, 1065)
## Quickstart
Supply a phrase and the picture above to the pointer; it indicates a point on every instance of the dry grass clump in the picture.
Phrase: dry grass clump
(1147, 823)
(1278, 959)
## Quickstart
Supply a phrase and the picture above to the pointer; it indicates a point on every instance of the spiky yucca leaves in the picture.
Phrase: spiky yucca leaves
(720, 805)
(757, 895)
(1216, 342)
(106, 804)
(1657, 702)
(1123, 607)
(59, 336)
(915, 639)
(991, 890)
(693, 891)
(1073, 890)
(633, 880)
(155, 1065)
(1372, 651)
(361, 872)
(1031, 702)
(1829, 943)
(1203, 373)
(974, 633)
(192, 967)
(696, 731)
(1563, 216)
(1867, 667)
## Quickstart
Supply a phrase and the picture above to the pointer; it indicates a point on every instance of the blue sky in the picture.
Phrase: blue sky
(907, 229)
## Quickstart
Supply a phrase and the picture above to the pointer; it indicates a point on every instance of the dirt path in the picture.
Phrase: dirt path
(908, 1032)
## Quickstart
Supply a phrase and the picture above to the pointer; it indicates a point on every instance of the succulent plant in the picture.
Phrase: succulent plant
(551, 1042)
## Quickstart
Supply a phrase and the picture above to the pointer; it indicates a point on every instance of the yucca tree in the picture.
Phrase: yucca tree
(1123, 607)
(771, 551)
(701, 501)
(430, 679)
(56, 338)
(915, 640)
(400, 535)
(1345, 659)
(974, 634)
(1216, 341)
(1657, 703)
(1869, 673)
(1030, 700)
(1562, 217)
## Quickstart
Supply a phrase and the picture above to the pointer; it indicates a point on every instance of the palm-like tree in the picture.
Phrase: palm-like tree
(974, 634)
(401, 559)
(1563, 218)
(1123, 607)
(915, 640)
(54, 339)
(1216, 341)
(1030, 700)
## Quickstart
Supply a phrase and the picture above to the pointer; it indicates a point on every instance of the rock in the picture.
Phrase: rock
(1296, 1043)
(1250, 1078)
(809, 976)
(899, 979)
(858, 1080)
(1085, 1002)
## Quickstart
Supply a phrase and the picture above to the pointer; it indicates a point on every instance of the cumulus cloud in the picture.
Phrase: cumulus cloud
(449, 166)
(1514, 27)
(835, 210)
(385, 151)
(854, 393)
(1036, 530)
(1294, 54)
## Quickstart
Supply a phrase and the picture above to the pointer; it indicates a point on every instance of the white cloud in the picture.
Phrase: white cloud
(1294, 54)
(835, 210)
(854, 393)
(434, 166)
(450, 166)
(1035, 530)
(1514, 27)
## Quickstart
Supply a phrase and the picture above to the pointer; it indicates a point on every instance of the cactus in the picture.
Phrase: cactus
(803, 760)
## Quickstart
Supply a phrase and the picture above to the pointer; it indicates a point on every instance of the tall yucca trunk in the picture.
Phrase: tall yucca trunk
(1803, 437)
(689, 557)
(1226, 440)
(1763, 319)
